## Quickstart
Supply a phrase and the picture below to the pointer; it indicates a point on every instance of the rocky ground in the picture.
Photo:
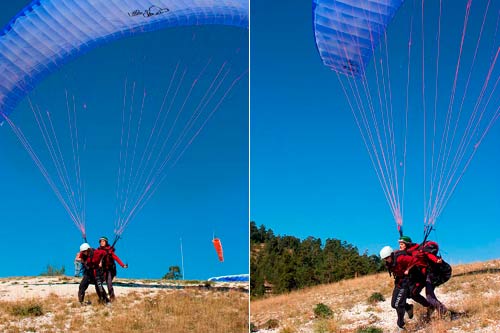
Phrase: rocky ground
(49, 304)
(17, 288)
(473, 295)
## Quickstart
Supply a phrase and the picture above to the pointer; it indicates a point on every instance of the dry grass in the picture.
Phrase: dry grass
(186, 310)
(344, 294)
(473, 292)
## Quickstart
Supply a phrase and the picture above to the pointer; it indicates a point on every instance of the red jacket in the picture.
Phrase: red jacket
(423, 259)
(108, 249)
(402, 262)
(414, 247)
(94, 259)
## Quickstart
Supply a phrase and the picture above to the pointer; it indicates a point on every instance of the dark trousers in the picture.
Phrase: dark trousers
(109, 283)
(95, 277)
(402, 291)
(415, 290)
(431, 297)
(398, 302)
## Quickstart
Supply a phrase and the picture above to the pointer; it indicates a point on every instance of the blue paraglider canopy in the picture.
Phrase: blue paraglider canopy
(347, 32)
(231, 278)
(47, 34)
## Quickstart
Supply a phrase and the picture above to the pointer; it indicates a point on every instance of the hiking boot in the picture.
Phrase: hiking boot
(400, 329)
(85, 303)
(409, 311)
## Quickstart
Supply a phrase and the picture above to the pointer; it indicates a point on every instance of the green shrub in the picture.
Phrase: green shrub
(322, 311)
(208, 284)
(27, 310)
(369, 329)
(174, 273)
(375, 298)
(52, 271)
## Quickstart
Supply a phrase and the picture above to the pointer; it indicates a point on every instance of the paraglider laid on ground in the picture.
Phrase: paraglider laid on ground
(231, 278)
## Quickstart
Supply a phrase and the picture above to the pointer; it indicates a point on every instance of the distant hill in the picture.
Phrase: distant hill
(473, 295)
(280, 264)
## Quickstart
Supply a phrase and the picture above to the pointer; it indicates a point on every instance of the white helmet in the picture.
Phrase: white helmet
(84, 247)
(386, 252)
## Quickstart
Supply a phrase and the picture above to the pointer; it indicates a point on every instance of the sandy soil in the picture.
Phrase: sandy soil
(477, 284)
(65, 316)
(384, 317)
(18, 288)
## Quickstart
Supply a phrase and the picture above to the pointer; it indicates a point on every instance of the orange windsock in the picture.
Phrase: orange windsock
(218, 249)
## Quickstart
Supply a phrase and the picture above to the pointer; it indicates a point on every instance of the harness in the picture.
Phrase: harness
(395, 255)
(108, 262)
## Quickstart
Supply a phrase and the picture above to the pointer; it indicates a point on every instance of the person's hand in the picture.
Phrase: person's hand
(440, 260)
(125, 266)
(407, 272)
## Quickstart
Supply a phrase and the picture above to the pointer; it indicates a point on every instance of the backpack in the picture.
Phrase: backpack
(438, 273)
(431, 247)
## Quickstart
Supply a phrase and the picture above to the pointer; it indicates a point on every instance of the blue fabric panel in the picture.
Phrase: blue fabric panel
(348, 31)
(231, 278)
(48, 33)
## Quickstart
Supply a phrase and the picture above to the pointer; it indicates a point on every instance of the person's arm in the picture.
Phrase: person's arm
(118, 260)
(433, 258)
(413, 247)
(409, 262)
(97, 257)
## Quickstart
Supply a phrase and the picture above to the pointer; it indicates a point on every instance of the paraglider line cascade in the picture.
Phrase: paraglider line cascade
(452, 132)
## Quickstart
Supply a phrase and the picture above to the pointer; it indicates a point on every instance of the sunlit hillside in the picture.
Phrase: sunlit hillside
(473, 295)
(49, 304)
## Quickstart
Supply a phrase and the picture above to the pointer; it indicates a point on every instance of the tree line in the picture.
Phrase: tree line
(280, 264)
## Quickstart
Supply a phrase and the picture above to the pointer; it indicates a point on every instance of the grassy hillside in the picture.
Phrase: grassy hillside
(473, 293)
(50, 305)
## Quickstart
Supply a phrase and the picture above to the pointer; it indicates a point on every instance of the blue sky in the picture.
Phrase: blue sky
(206, 193)
(310, 172)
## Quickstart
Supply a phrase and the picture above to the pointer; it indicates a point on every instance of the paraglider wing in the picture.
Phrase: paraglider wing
(48, 33)
(347, 35)
(347, 32)
(218, 249)
(231, 278)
